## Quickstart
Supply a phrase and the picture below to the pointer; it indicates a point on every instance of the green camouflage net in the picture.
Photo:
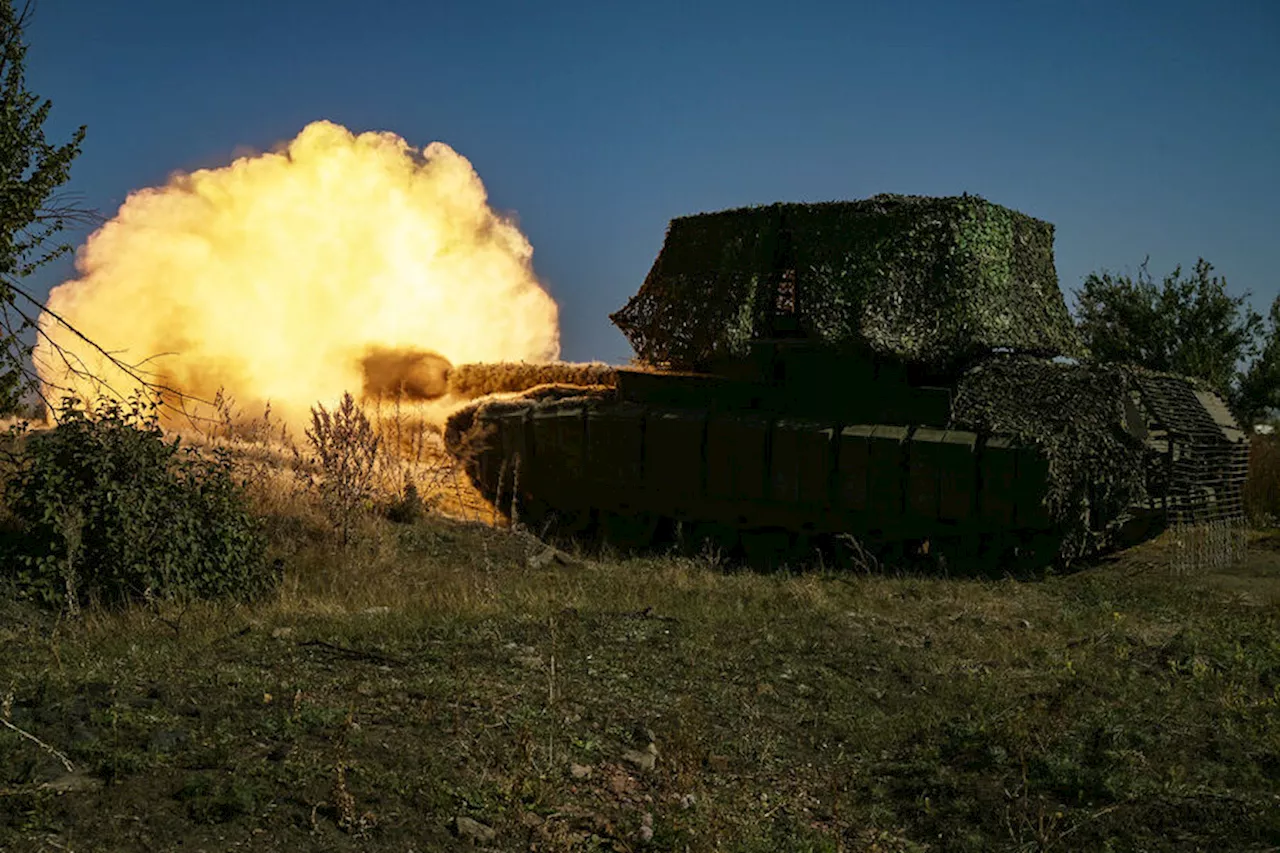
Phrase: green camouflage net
(1076, 414)
(933, 281)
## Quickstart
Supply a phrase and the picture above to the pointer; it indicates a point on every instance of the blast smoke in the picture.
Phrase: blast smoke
(405, 374)
(283, 276)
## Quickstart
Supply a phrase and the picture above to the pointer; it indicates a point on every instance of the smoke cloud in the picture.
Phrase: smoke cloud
(340, 262)
(413, 375)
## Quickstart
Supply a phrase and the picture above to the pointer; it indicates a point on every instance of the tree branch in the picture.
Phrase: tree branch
(173, 398)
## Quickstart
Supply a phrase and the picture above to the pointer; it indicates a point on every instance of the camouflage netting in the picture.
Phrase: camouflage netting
(463, 419)
(933, 281)
(1076, 414)
(476, 380)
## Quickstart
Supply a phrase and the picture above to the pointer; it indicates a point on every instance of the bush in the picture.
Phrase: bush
(346, 448)
(1262, 484)
(108, 510)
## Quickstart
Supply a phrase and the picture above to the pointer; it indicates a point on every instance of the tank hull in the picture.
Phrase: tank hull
(771, 472)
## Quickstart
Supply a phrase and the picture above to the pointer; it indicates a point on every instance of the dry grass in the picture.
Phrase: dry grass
(441, 673)
(284, 474)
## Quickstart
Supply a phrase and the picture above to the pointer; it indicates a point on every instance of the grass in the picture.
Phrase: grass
(443, 669)
(1126, 707)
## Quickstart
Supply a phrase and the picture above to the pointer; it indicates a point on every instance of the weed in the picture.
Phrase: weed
(347, 450)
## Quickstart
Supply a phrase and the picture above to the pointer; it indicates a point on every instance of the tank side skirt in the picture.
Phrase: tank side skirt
(919, 481)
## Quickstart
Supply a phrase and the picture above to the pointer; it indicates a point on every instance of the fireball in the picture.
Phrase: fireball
(339, 262)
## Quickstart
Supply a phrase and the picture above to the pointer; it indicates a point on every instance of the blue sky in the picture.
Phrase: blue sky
(1136, 128)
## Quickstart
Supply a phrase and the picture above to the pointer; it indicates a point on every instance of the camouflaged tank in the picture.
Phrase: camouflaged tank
(889, 377)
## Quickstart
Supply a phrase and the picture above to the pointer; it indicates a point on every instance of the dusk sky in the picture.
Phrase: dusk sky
(1136, 128)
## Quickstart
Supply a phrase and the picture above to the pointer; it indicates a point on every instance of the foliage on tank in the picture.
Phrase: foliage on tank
(932, 281)
(476, 380)
(1120, 441)
(1076, 414)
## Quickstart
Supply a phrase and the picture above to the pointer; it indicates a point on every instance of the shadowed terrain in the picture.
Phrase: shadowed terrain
(441, 680)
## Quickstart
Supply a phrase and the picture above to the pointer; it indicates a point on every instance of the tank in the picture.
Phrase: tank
(891, 378)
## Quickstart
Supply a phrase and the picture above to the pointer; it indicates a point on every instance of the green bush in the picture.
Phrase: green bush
(109, 510)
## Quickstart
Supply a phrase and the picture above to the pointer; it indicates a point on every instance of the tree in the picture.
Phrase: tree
(1186, 324)
(1259, 389)
(31, 215)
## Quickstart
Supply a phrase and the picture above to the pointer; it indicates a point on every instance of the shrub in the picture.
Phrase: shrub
(407, 508)
(347, 449)
(1262, 484)
(109, 510)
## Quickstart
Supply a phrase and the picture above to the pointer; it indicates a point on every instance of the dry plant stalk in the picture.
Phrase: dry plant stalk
(861, 559)
(344, 806)
(515, 492)
(465, 455)
(66, 762)
(346, 448)
(497, 498)
(414, 465)
(71, 526)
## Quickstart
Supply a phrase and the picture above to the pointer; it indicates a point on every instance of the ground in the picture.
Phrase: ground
(443, 685)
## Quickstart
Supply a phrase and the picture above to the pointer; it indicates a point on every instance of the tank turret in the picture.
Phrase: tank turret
(933, 282)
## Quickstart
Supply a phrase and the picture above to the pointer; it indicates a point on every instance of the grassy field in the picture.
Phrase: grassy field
(444, 685)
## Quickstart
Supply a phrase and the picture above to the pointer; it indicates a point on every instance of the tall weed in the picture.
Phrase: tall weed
(346, 448)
